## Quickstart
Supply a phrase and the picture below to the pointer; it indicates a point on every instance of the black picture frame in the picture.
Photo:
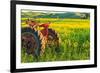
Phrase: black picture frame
(13, 36)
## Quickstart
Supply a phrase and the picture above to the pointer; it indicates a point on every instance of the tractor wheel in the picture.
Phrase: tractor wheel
(32, 41)
(53, 39)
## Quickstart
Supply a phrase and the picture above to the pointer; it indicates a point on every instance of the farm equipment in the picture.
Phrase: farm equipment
(35, 41)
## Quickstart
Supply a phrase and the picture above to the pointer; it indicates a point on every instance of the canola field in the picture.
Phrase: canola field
(74, 37)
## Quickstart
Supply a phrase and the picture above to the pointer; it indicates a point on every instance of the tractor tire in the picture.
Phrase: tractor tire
(32, 41)
(53, 39)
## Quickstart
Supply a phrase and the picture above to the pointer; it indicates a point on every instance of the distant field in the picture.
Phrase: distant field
(74, 37)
